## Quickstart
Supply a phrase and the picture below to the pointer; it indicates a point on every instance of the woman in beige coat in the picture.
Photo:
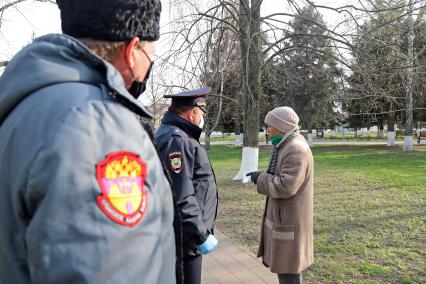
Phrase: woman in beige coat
(286, 242)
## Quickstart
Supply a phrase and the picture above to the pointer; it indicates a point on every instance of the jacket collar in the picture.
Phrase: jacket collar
(188, 127)
(59, 58)
(287, 137)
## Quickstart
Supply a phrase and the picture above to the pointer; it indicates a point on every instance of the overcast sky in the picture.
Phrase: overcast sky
(32, 18)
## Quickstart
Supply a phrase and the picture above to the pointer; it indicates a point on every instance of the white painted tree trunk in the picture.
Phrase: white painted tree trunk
(251, 60)
(249, 163)
(238, 140)
(391, 138)
(310, 140)
(408, 144)
(408, 139)
(381, 133)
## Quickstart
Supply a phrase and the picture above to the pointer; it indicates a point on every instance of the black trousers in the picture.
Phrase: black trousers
(192, 269)
(290, 278)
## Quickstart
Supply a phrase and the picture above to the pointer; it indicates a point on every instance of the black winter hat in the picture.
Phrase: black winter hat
(111, 20)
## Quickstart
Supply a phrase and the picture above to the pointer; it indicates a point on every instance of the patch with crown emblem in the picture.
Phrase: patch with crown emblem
(121, 176)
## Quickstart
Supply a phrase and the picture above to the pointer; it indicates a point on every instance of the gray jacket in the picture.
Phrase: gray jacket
(83, 198)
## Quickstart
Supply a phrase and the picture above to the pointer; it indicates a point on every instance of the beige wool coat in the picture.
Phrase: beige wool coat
(286, 243)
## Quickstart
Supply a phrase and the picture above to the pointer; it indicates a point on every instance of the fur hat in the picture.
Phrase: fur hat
(283, 119)
(111, 20)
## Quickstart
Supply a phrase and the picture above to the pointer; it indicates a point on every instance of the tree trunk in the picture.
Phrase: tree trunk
(207, 134)
(310, 140)
(251, 63)
(408, 139)
(334, 131)
(252, 101)
(391, 121)
(237, 128)
(381, 130)
(391, 129)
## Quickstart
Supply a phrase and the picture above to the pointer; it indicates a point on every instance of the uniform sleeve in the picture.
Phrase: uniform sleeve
(291, 175)
(179, 160)
(69, 238)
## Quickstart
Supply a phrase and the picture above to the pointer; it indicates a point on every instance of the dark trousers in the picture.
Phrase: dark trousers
(192, 269)
(290, 278)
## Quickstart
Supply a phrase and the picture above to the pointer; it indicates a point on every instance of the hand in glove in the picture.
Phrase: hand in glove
(254, 176)
(209, 245)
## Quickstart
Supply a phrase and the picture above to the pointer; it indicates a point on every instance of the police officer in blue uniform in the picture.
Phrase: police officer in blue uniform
(192, 176)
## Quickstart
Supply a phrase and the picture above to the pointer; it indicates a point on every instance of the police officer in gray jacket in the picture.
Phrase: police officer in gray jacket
(83, 197)
(192, 176)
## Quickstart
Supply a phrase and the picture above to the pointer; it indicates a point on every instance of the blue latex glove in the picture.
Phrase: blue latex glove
(209, 245)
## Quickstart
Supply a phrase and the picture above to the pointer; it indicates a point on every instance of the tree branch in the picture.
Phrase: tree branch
(10, 4)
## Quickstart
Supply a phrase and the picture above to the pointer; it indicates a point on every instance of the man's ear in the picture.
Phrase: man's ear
(191, 114)
(130, 51)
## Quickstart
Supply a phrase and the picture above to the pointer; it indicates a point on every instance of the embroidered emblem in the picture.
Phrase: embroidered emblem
(121, 177)
(175, 160)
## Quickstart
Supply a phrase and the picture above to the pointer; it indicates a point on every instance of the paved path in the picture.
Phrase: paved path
(230, 263)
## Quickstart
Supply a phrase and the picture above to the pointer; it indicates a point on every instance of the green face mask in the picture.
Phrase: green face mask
(276, 139)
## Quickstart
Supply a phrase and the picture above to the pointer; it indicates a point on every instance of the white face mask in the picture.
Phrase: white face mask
(201, 124)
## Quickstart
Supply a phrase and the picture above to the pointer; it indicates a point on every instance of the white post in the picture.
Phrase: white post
(391, 138)
(249, 163)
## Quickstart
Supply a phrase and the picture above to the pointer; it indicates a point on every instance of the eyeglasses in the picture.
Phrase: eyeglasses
(146, 54)
(202, 106)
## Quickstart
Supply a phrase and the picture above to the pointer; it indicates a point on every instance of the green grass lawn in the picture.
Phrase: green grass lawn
(369, 214)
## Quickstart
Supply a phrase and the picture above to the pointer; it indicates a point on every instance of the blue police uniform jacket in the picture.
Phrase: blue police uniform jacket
(83, 195)
(192, 177)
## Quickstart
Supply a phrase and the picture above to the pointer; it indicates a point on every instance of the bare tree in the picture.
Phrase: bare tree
(14, 5)
(200, 53)
(154, 99)
(261, 40)
(408, 139)
(242, 18)
(389, 50)
(222, 69)
(10, 5)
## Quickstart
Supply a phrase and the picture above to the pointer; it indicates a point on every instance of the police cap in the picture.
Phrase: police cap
(191, 98)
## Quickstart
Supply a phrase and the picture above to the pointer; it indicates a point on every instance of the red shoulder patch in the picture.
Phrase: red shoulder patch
(121, 176)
